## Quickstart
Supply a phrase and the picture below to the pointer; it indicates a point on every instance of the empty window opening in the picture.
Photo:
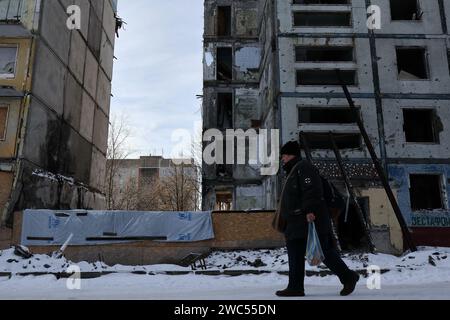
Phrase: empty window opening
(313, 77)
(349, 228)
(405, 10)
(3, 121)
(448, 59)
(224, 201)
(412, 63)
(426, 192)
(419, 125)
(224, 21)
(323, 54)
(224, 171)
(343, 140)
(225, 110)
(321, 1)
(327, 115)
(8, 61)
(322, 19)
(224, 64)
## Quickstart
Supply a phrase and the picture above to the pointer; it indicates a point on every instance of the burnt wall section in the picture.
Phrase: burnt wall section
(232, 64)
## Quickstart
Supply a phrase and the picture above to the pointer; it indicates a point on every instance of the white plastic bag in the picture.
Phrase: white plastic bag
(314, 253)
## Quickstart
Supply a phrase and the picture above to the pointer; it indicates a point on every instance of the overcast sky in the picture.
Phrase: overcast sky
(159, 71)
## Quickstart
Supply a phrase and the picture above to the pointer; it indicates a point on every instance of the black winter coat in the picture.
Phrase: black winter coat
(303, 194)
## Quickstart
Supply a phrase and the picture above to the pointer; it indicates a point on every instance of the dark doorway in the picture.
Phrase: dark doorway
(350, 229)
(224, 21)
(224, 64)
(225, 110)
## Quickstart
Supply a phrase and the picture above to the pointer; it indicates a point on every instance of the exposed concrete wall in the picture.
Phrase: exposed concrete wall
(437, 64)
(357, 8)
(361, 64)
(292, 127)
(430, 23)
(396, 144)
(66, 117)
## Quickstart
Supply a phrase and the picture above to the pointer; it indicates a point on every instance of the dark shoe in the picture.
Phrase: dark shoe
(290, 293)
(349, 286)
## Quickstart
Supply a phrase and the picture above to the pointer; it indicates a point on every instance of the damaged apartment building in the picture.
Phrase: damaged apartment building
(271, 64)
(55, 90)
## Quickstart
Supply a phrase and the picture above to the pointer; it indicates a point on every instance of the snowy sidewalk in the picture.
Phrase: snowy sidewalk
(251, 287)
(424, 274)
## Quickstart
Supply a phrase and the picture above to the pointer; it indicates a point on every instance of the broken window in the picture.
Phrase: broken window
(426, 192)
(419, 125)
(322, 19)
(224, 64)
(313, 77)
(412, 63)
(448, 59)
(8, 60)
(3, 121)
(327, 115)
(224, 201)
(343, 140)
(405, 10)
(321, 1)
(323, 54)
(224, 171)
(224, 21)
(225, 110)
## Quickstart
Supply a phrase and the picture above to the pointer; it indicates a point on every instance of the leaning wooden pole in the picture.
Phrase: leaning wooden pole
(306, 148)
(381, 173)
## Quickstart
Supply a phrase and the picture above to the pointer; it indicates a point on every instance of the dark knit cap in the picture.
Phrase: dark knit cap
(291, 148)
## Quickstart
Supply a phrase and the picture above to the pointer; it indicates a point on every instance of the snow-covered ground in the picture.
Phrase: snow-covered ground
(194, 287)
(421, 275)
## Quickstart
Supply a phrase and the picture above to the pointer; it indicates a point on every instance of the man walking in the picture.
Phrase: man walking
(301, 202)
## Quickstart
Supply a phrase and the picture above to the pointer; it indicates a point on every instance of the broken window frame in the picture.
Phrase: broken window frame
(337, 136)
(232, 109)
(232, 63)
(231, 22)
(218, 206)
(300, 109)
(322, 2)
(419, 12)
(442, 191)
(433, 116)
(349, 26)
(342, 71)
(9, 76)
(3, 135)
(425, 61)
(325, 48)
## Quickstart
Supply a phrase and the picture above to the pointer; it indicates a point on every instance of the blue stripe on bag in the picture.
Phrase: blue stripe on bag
(314, 253)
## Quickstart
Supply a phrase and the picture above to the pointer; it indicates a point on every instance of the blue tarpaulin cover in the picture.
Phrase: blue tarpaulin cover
(51, 227)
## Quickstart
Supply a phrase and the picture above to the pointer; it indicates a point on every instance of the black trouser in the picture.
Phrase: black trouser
(296, 254)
